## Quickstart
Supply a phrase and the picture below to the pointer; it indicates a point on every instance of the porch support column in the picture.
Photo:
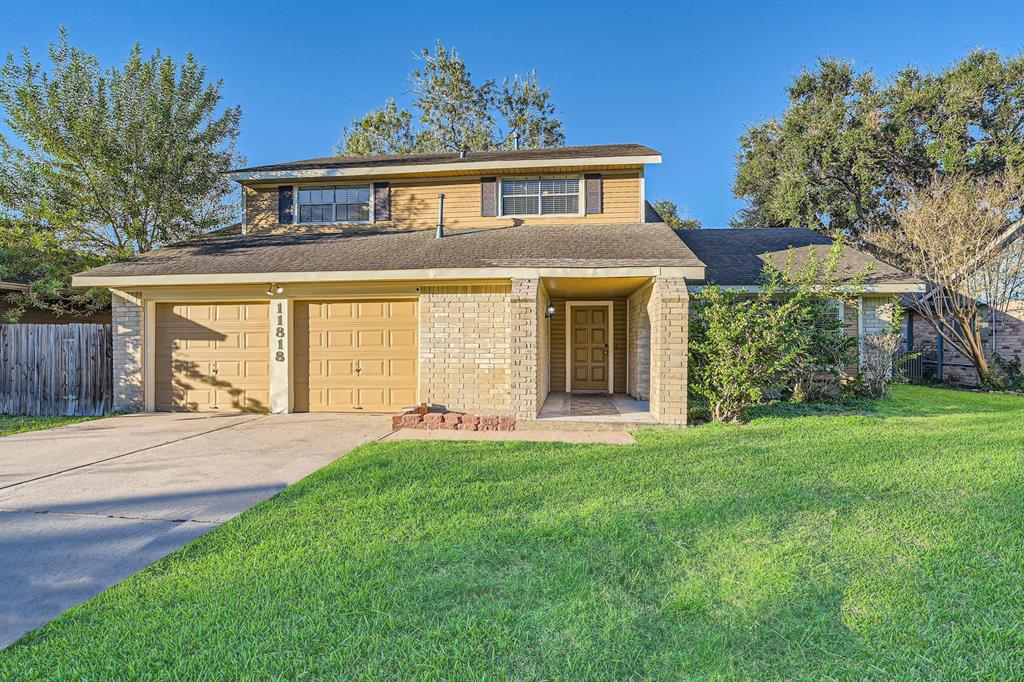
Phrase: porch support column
(669, 310)
(524, 374)
(281, 355)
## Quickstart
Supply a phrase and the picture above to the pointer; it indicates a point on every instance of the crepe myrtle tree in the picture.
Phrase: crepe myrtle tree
(102, 163)
(962, 235)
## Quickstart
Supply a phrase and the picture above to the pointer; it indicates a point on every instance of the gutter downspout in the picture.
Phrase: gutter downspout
(939, 354)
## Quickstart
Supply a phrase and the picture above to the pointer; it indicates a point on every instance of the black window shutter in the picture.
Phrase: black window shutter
(594, 192)
(381, 201)
(285, 210)
(488, 197)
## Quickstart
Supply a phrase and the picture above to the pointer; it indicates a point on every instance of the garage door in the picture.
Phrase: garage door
(212, 357)
(355, 355)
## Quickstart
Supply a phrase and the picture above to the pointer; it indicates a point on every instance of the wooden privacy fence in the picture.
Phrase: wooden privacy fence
(56, 369)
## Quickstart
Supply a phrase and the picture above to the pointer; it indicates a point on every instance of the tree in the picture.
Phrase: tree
(669, 212)
(846, 146)
(109, 162)
(960, 234)
(455, 114)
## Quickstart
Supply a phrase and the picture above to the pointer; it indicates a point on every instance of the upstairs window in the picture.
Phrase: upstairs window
(540, 196)
(334, 204)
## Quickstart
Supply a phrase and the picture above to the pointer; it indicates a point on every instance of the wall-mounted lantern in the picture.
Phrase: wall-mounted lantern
(549, 312)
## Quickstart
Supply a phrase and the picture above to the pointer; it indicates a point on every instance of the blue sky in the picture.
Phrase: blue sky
(683, 77)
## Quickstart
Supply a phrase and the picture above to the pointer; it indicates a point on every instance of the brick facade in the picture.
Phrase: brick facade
(526, 374)
(127, 325)
(465, 347)
(638, 341)
(1007, 330)
(667, 304)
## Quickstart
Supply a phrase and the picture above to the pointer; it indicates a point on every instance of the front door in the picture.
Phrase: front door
(589, 345)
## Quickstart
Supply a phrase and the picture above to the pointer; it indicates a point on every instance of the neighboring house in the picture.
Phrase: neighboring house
(341, 293)
(38, 315)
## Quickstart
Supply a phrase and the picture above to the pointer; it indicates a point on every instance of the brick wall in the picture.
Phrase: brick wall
(127, 322)
(1009, 343)
(638, 339)
(668, 308)
(465, 347)
(525, 370)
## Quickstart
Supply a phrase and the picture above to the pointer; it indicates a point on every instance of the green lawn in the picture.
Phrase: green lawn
(877, 543)
(10, 423)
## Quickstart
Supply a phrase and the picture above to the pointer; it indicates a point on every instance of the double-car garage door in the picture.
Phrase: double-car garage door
(357, 355)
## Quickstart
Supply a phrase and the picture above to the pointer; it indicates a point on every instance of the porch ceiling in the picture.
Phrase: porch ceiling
(592, 287)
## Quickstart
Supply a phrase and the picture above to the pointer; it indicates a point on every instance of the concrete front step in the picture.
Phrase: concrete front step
(576, 425)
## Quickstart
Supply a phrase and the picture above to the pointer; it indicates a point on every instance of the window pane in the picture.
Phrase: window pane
(304, 214)
(561, 204)
(519, 205)
(304, 197)
(513, 187)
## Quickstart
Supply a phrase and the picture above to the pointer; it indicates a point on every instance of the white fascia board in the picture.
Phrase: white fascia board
(383, 275)
(380, 171)
(872, 289)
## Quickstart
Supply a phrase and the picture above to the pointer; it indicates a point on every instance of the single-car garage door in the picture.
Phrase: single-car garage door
(212, 357)
(355, 355)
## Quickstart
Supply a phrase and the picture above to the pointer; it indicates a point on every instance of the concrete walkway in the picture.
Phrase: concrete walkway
(84, 506)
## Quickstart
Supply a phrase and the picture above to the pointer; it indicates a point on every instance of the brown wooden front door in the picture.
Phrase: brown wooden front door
(589, 345)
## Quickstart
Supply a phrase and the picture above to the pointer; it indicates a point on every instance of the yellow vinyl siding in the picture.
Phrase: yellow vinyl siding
(414, 201)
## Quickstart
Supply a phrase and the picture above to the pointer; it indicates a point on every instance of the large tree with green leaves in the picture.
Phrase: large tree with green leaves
(848, 146)
(103, 163)
(452, 113)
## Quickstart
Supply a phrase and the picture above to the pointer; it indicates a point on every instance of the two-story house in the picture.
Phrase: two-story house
(482, 282)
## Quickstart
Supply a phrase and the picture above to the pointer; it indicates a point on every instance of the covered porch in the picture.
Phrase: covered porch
(608, 350)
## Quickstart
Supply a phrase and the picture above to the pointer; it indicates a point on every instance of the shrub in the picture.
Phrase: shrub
(1007, 373)
(748, 347)
(879, 367)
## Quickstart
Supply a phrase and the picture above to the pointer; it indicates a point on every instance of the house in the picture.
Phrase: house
(481, 282)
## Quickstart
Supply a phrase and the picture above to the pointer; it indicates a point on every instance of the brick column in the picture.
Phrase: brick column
(670, 328)
(126, 322)
(525, 395)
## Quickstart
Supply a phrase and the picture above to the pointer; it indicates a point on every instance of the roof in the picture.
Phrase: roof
(454, 159)
(535, 246)
(736, 257)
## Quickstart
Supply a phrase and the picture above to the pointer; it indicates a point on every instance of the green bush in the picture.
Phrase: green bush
(784, 338)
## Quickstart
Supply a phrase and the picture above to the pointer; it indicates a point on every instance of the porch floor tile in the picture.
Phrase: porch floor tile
(585, 407)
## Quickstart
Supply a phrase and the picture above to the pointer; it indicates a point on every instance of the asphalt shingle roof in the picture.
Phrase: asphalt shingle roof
(738, 257)
(583, 245)
(552, 153)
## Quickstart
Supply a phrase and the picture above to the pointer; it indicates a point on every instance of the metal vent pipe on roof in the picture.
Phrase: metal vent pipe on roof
(440, 216)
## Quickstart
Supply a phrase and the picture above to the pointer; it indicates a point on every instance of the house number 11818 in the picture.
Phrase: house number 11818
(280, 333)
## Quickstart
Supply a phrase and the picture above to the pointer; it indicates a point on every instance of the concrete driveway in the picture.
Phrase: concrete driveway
(84, 506)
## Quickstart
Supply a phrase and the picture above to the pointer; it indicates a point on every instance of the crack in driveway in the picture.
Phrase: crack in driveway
(132, 452)
(4, 510)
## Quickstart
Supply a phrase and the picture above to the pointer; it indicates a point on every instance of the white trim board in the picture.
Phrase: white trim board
(611, 341)
(870, 289)
(122, 281)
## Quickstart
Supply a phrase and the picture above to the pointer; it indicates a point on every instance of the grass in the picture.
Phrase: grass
(882, 542)
(11, 423)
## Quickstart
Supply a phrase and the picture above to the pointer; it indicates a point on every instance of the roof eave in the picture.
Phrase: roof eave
(383, 170)
(121, 281)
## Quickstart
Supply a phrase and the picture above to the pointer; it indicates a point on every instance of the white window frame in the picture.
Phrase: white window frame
(333, 185)
(580, 194)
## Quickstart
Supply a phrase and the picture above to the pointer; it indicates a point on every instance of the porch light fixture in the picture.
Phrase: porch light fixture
(275, 289)
(549, 312)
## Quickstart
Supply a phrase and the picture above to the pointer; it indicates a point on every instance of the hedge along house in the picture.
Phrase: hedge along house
(487, 282)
